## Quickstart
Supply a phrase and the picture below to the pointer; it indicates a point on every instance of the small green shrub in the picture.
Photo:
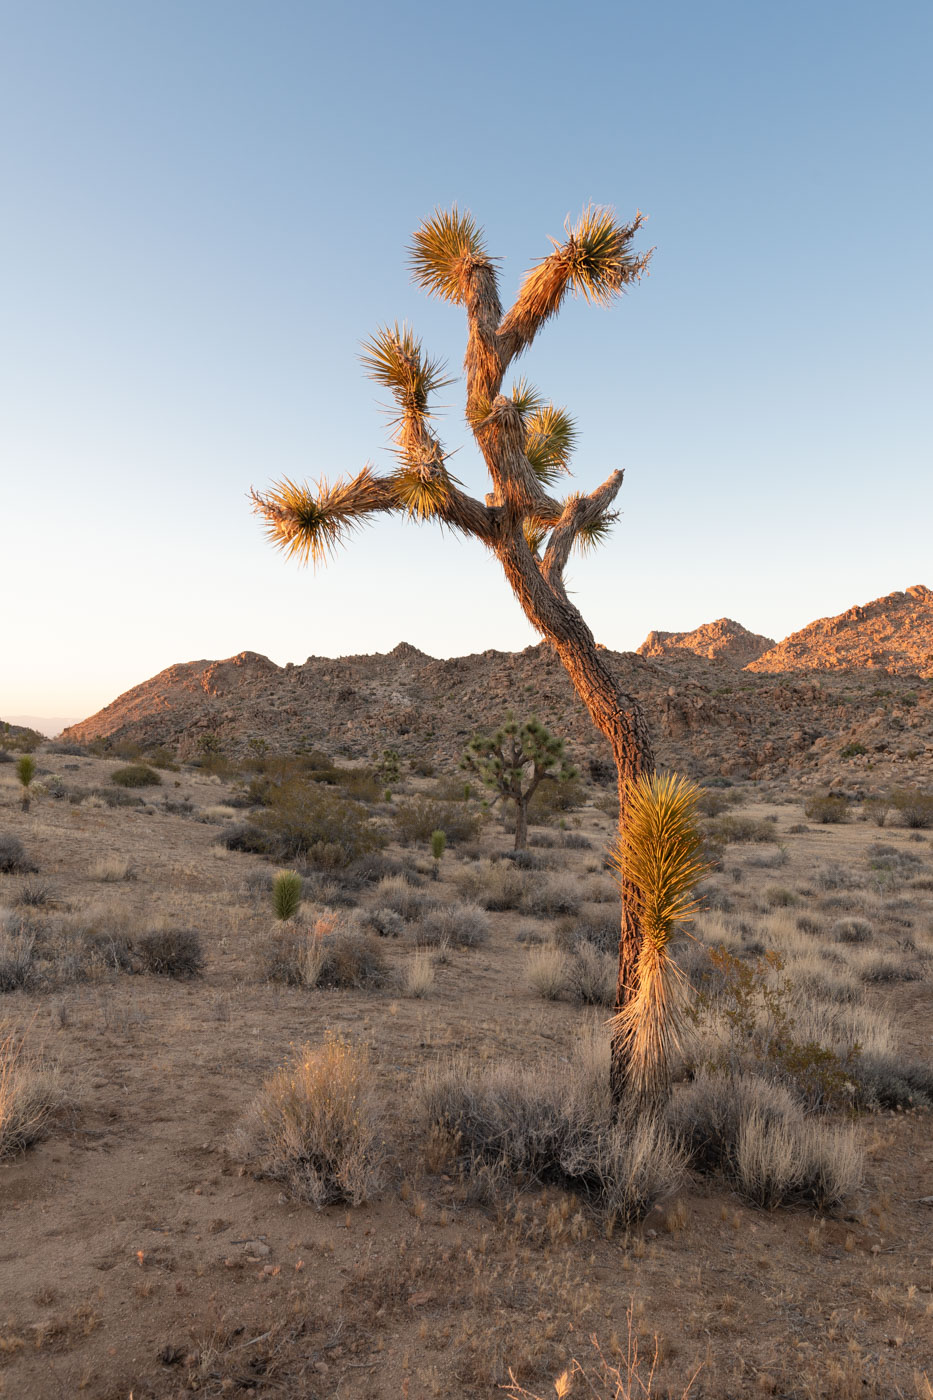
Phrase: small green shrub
(286, 895)
(852, 750)
(303, 820)
(135, 775)
(828, 810)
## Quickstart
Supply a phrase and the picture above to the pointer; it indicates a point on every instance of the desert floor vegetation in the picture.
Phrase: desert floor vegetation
(365, 1148)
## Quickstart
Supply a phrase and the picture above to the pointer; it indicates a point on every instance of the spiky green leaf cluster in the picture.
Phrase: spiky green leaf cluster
(286, 894)
(394, 358)
(439, 250)
(590, 537)
(600, 260)
(659, 851)
(309, 525)
(550, 437)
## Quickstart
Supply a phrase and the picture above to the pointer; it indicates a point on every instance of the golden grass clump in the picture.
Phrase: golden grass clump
(315, 1128)
(30, 1093)
(658, 855)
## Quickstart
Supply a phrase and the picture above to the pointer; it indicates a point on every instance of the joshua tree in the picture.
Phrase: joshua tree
(501, 762)
(25, 772)
(526, 443)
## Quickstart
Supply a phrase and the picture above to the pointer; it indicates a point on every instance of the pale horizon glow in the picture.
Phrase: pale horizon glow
(208, 208)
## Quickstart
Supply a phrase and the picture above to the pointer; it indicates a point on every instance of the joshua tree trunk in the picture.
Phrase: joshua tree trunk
(521, 823)
(617, 715)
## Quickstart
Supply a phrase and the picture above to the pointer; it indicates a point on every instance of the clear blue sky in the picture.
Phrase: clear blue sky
(206, 206)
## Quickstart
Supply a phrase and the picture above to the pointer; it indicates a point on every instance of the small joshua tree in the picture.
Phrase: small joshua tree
(438, 847)
(526, 443)
(25, 771)
(514, 762)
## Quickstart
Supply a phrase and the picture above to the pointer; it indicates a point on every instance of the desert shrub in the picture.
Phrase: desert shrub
(383, 922)
(135, 775)
(496, 886)
(750, 1017)
(602, 931)
(545, 898)
(405, 898)
(876, 808)
(303, 820)
(914, 807)
(768, 860)
(851, 930)
(67, 749)
(546, 972)
(756, 1134)
(874, 965)
(360, 783)
(890, 1081)
(35, 894)
(249, 838)
(30, 1094)
(827, 809)
(454, 926)
(314, 1127)
(286, 894)
(13, 858)
(556, 1126)
(593, 975)
(583, 975)
(330, 953)
(418, 975)
(171, 952)
(162, 757)
(17, 959)
(523, 860)
(852, 750)
(118, 797)
(417, 819)
(550, 800)
(891, 861)
(723, 831)
(837, 877)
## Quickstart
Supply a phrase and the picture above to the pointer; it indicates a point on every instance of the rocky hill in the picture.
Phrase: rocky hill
(708, 716)
(722, 640)
(891, 636)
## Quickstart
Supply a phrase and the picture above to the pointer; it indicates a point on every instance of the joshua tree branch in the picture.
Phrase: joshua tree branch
(579, 513)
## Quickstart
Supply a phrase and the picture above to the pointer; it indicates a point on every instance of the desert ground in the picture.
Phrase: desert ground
(149, 1251)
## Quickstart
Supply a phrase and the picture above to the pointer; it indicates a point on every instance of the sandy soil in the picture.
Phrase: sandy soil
(138, 1259)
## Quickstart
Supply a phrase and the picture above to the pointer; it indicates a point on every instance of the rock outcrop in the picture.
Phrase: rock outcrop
(722, 640)
(891, 636)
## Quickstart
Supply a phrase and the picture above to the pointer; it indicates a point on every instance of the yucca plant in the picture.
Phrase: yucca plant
(658, 855)
(526, 442)
(25, 772)
(438, 846)
(286, 894)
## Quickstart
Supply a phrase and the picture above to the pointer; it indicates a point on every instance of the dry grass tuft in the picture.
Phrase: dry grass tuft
(111, 870)
(418, 977)
(30, 1093)
(314, 1126)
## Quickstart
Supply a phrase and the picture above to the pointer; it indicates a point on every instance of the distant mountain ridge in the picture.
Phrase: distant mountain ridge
(709, 713)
